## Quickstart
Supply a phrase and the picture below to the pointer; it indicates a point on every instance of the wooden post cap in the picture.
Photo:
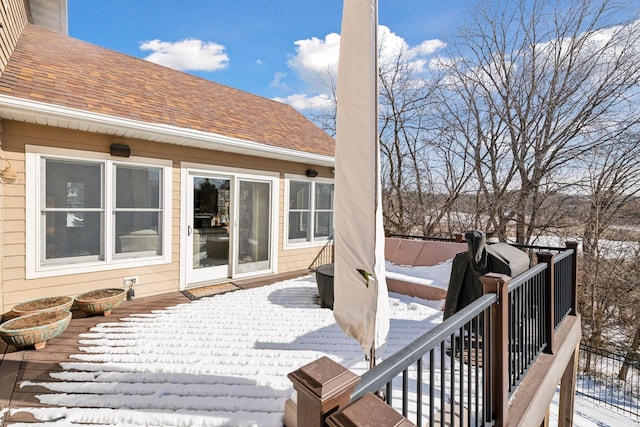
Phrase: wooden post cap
(368, 411)
(324, 378)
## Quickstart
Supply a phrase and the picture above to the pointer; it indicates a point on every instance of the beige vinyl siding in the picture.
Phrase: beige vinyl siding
(12, 223)
(298, 259)
(154, 279)
(13, 20)
(2, 240)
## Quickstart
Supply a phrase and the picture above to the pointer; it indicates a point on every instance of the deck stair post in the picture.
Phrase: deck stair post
(549, 302)
(323, 387)
(498, 385)
(568, 390)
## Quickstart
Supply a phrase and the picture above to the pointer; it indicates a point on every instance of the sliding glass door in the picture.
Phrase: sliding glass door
(229, 226)
(208, 231)
(254, 226)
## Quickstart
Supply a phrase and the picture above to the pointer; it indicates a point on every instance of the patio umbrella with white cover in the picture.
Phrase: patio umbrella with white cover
(360, 291)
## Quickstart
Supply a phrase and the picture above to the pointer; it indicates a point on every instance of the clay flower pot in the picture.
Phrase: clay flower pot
(100, 301)
(42, 304)
(35, 329)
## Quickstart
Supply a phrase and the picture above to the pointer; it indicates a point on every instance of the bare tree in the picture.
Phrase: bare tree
(632, 351)
(404, 100)
(609, 288)
(612, 181)
(534, 86)
(326, 119)
(424, 172)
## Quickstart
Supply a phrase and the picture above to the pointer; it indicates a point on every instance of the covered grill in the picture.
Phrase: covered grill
(480, 259)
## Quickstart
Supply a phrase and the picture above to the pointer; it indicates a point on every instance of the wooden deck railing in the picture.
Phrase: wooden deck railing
(325, 256)
(466, 369)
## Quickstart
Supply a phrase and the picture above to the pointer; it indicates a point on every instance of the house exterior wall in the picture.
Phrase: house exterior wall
(152, 279)
(13, 16)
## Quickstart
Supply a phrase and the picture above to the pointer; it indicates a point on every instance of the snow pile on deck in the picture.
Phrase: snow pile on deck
(436, 276)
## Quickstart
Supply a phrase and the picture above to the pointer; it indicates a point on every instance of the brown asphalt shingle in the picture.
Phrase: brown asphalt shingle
(60, 70)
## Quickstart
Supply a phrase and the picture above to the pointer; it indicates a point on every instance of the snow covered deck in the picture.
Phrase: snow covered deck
(221, 360)
(109, 370)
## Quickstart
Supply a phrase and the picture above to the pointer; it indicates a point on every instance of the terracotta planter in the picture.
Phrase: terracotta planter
(35, 329)
(100, 301)
(42, 304)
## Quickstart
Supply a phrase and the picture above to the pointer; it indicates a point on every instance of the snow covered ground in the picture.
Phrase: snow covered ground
(590, 414)
(222, 360)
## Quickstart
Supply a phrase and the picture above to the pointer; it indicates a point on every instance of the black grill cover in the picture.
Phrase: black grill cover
(480, 259)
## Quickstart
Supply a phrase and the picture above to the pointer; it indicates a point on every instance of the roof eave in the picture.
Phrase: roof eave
(23, 110)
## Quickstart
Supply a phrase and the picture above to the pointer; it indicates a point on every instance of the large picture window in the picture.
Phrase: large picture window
(310, 211)
(97, 212)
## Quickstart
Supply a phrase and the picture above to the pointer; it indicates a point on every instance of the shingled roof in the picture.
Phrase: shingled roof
(56, 69)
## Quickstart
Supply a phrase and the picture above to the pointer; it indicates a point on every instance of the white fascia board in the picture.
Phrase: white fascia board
(19, 109)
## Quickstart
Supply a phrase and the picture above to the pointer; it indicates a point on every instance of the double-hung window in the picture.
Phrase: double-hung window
(310, 211)
(96, 213)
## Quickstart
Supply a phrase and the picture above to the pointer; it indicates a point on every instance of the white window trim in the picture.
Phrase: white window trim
(286, 245)
(33, 241)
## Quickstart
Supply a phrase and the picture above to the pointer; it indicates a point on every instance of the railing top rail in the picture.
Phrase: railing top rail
(539, 248)
(384, 372)
(418, 237)
(618, 354)
(562, 255)
(453, 240)
(520, 279)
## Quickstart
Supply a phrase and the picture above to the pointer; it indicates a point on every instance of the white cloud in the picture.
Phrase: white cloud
(316, 60)
(278, 81)
(427, 47)
(304, 102)
(188, 54)
(391, 45)
(315, 63)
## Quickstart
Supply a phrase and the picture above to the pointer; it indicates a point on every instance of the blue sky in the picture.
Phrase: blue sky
(279, 49)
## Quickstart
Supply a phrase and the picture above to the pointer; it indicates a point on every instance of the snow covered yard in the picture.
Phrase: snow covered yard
(222, 360)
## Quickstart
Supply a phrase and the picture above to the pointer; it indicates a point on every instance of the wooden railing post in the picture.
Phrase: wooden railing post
(574, 277)
(549, 299)
(323, 387)
(499, 369)
(568, 390)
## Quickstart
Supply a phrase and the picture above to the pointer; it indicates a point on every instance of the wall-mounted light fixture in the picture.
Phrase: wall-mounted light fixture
(311, 173)
(120, 150)
(8, 175)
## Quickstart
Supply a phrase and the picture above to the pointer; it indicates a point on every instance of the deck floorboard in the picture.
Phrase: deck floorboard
(18, 365)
